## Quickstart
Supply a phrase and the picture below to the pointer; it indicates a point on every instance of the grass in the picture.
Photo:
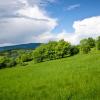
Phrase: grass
(73, 78)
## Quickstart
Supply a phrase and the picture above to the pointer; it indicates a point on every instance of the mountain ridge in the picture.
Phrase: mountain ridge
(20, 46)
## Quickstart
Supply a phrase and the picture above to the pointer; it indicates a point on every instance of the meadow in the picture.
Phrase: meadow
(72, 78)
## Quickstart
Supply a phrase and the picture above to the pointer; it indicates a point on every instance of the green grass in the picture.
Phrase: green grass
(73, 78)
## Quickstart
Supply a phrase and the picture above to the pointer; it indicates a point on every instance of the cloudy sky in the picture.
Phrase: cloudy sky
(29, 21)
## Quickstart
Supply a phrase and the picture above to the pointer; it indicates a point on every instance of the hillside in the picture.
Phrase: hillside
(73, 78)
(21, 46)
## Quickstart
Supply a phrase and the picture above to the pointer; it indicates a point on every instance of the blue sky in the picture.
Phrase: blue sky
(87, 8)
(26, 21)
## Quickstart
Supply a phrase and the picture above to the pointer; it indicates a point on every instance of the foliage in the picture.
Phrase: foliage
(98, 43)
(6, 62)
(85, 49)
(74, 50)
(24, 57)
(12, 57)
(10, 62)
(62, 49)
(47, 51)
(2, 62)
(84, 46)
(39, 54)
(91, 42)
(52, 50)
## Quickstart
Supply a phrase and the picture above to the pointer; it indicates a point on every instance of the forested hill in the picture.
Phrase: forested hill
(21, 46)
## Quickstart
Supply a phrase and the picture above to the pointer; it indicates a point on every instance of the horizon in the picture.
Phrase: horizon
(31, 21)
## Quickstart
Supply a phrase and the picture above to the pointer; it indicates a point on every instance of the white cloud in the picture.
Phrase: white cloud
(88, 27)
(70, 37)
(72, 7)
(24, 21)
(21, 24)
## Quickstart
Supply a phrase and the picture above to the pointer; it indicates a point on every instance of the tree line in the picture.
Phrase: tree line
(61, 49)
(48, 51)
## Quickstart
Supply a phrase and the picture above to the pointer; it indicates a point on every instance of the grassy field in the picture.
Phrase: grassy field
(73, 78)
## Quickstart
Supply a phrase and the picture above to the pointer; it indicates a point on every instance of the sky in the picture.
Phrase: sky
(33, 21)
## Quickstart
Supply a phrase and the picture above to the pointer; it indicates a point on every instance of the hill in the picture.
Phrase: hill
(73, 78)
(21, 46)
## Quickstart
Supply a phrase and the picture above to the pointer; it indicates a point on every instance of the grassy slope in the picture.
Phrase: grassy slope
(73, 78)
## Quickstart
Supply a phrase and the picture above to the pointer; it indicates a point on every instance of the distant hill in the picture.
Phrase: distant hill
(21, 46)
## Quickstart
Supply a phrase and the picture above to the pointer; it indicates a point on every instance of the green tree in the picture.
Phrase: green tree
(74, 50)
(98, 43)
(62, 49)
(50, 50)
(2, 62)
(39, 54)
(86, 49)
(84, 46)
(10, 62)
(91, 42)
(53, 50)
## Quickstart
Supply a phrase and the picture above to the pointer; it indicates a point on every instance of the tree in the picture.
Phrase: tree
(6, 62)
(74, 50)
(10, 62)
(84, 46)
(39, 54)
(86, 49)
(62, 49)
(24, 57)
(98, 43)
(2, 62)
(52, 50)
(91, 42)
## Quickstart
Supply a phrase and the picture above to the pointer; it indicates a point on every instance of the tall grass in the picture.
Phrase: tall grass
(73, 78)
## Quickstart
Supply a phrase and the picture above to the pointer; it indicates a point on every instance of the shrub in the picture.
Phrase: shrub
(62, 49)
(39, 53)
(10, 62)
(84, 46)
(7, 62)
(52, 50)
(91, 42)
(74, 50)
(85, 49)
(98, 43)
(2, 62)
(25, 57)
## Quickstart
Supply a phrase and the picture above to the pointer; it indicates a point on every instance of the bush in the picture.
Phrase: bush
(25, 57)
(74, 50)
(86, 49)
(53, 50)
(62, 49)
(91, 42)
(98, 43)
(39, 53)
(10, 62)
(84, 46)
(2, 62)
(50, 50)
(7, 62)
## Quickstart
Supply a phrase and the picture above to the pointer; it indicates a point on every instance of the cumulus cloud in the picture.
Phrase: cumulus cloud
(88, 27)
(70, 37)
(24, 21)
(20, 21)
